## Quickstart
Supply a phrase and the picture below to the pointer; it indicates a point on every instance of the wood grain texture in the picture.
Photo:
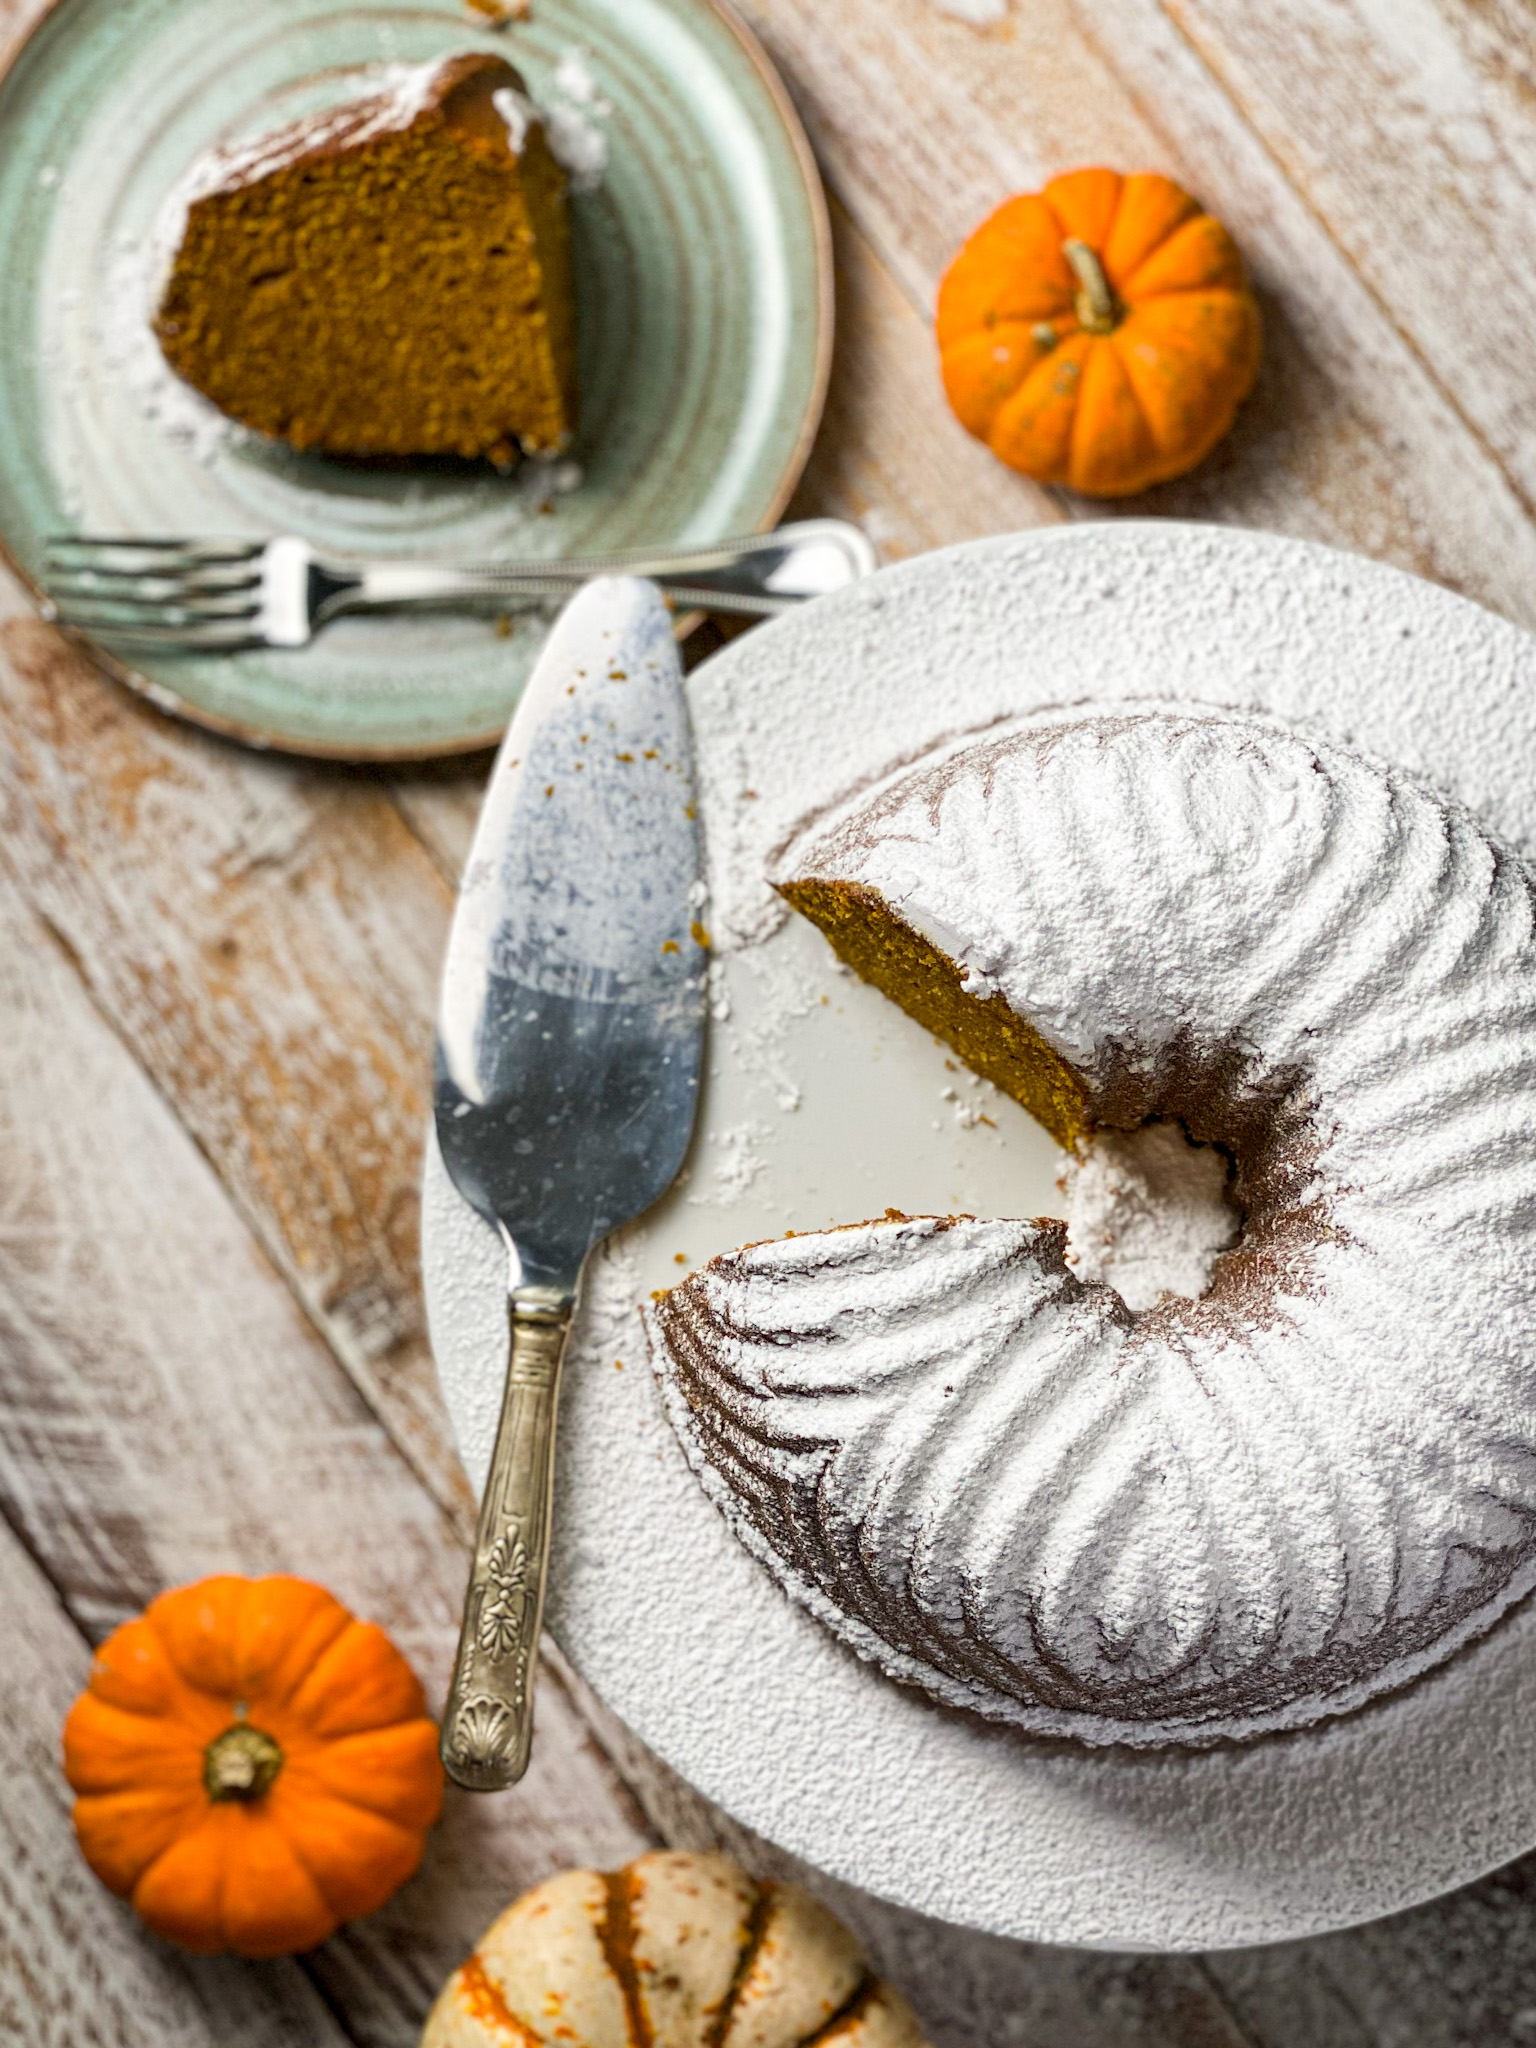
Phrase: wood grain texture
(1459, 1973)
(267, 936)
(925, 122)
(167, 1409)
(74, 1970)
(1432, 197)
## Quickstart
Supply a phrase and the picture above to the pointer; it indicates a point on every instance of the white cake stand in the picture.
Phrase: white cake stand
(824, 1104)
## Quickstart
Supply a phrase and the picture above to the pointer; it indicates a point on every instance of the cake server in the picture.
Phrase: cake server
(570, 1034)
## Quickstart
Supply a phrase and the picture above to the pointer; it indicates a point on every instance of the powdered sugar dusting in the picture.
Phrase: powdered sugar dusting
(1220, 1516)
(948, 644)
(738, 1163)
(132, 355)
(390, 99)
(518, 112)
(575, 82)
(570, 120)
(577, 143)
(1148, 1214)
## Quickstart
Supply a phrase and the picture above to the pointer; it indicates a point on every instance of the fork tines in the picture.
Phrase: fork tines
(172, 593)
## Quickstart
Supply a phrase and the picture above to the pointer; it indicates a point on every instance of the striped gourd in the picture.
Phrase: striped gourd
(673, 1951)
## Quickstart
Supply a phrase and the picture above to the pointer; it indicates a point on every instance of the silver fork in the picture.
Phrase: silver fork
(213, 596)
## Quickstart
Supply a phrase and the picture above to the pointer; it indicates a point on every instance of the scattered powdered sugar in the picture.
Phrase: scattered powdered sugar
(1148, 1213)
(574, 82)
(969, 1112)
(719, 992)
(132, 355)
(740, 1164)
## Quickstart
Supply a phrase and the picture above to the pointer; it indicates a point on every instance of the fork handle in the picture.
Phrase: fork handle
(761, 574)
(401, 587)
(488, 1720)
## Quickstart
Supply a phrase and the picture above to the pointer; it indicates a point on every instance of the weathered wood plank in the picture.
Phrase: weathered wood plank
(1292, 1997)
(924, 122)
(1473, 528)
(1409, 131)
(166, 1410)
(1459, 1971)
(891, 455)
(266, 935)
(74, 1970)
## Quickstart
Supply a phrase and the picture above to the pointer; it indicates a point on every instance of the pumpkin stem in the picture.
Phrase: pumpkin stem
(241, 1763)
(1095, 304)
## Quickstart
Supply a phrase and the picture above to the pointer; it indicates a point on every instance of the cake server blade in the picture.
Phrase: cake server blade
(570, 1036)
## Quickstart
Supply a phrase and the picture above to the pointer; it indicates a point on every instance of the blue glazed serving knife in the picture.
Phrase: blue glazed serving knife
(570, 1036)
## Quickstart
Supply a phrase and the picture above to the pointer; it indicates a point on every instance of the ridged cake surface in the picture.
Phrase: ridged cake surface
(1212, 1518)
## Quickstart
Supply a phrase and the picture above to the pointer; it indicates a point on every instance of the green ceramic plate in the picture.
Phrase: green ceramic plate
(704, 290)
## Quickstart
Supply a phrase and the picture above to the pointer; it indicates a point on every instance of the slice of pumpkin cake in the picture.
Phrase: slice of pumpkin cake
(390, 277)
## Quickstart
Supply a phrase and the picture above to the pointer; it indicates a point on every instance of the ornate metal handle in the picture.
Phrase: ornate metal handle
(488, 1721)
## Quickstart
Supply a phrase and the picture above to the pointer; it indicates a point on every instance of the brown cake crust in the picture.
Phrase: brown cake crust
(390, 278)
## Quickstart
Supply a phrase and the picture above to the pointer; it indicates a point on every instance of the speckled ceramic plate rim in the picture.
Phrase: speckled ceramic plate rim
(166, 699)
(1368, 1814)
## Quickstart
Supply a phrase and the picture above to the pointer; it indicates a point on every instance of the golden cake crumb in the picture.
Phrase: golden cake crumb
(372, 288)
(991, 1040)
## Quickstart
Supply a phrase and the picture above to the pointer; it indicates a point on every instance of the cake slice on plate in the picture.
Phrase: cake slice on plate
(391, 277)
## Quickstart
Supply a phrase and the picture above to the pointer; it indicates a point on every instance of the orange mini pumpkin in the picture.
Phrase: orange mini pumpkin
(1099, 334)
(253, 1766)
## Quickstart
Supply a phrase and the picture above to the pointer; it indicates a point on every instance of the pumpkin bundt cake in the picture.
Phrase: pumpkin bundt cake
(1220, 1516)
(388, 278)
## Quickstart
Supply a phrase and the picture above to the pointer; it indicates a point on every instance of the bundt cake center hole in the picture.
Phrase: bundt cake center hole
(1149, 1212)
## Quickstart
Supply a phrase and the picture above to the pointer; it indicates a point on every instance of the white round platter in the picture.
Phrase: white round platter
(825, 1104)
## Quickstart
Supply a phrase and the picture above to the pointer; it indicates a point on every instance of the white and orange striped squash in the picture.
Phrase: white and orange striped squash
(673, 1951)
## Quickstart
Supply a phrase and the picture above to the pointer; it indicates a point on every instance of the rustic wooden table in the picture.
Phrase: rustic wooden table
(217, 972)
